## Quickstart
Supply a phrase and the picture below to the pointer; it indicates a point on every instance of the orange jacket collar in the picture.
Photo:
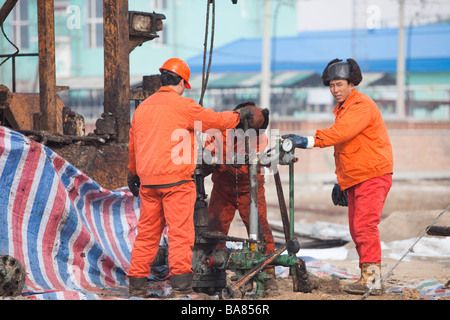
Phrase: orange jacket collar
(347, 101)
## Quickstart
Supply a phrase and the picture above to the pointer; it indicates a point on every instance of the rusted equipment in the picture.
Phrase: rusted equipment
(73, 123)
(123, 31)
(103, 156)
(143, 27)
(22, 110)
(106, 125)
(105, 163)
(150, 84)
(50, 116)
(12, 276)
(6, 9)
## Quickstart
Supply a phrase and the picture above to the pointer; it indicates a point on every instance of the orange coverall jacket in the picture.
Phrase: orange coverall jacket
(362, 148)
(161, 148)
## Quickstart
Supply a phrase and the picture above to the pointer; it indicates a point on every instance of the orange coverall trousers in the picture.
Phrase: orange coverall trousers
(174, 207)
(365, 205)
(226, 198)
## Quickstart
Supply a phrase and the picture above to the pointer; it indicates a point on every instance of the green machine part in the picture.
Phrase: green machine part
(246, 259)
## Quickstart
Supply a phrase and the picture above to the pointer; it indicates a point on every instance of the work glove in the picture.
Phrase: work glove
(134, 183)
(299, 141)
(339, 197)
(246, 118)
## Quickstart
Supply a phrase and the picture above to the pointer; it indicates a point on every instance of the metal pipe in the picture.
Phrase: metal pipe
(253, 174)
(13, 74)
(253, 177)
(291, 200)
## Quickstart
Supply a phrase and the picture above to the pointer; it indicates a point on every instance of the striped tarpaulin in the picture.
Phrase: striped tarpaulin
(73, 237)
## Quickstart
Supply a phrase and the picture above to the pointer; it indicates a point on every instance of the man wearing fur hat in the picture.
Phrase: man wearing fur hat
(364, 165)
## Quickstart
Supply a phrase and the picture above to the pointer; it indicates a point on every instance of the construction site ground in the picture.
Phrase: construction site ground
(411, 206)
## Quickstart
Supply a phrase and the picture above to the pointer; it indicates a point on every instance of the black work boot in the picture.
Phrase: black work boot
(137, 287)
(181, 285)
(270, 285)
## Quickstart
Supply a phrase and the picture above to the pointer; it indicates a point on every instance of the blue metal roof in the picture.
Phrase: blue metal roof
(427, 48)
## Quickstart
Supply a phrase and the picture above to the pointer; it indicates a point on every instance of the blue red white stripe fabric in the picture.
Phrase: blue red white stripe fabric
(73, 237)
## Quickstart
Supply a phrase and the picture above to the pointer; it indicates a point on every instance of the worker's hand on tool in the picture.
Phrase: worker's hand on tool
(292, 140)
(339, 197)
(247, 117)
(134, 183)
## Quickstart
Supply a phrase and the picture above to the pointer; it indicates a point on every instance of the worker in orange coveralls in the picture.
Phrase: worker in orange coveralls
(231, 188)
(364, 166)
(162, 159)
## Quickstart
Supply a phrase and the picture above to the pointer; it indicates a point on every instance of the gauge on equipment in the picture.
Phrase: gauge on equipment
(287, 145)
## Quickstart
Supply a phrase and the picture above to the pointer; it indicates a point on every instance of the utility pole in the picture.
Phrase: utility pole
(265, 70)
(400, 107)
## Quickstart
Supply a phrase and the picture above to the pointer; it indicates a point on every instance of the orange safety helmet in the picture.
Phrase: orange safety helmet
(179, 67)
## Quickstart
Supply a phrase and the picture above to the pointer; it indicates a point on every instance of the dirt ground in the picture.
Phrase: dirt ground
(410, 208)
(406, 273)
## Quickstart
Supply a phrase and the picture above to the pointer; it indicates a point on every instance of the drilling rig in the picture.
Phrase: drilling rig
(210, 264)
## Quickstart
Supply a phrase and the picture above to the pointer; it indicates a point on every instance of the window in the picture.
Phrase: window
(19, 25)
(94, 23)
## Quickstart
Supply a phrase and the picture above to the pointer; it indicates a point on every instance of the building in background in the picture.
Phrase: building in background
(297, 64)
(79, 41)
(236, 63)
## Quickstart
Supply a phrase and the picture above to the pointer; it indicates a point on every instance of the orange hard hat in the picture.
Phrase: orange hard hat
(179, 67)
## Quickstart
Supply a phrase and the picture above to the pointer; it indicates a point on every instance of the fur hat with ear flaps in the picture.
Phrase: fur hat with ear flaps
(338, 69)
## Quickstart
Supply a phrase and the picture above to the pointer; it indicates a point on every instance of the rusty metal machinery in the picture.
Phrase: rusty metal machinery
(103, 154)
(12, 276)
